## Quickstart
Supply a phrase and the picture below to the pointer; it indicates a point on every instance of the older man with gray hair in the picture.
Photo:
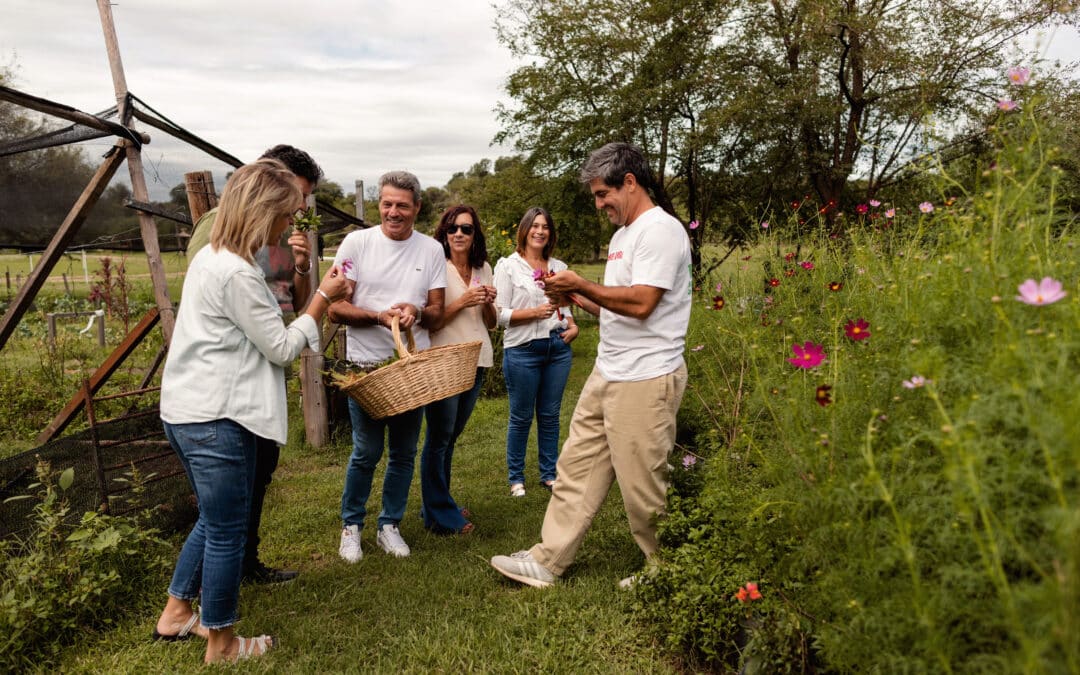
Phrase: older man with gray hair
(396, 271)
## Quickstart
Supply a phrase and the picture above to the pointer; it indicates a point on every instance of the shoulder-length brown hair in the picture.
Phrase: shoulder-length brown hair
(254, 198)
(526, 223)
(478, 252)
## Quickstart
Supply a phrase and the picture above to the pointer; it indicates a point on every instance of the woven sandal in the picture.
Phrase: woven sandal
(254, 647)
(184, 633)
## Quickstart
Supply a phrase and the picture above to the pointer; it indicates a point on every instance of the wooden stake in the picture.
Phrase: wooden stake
(201, 195)
(147, 226)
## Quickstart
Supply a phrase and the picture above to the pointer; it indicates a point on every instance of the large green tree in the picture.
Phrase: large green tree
(750, 103)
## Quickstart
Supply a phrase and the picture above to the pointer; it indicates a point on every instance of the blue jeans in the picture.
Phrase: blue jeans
(367, 438)
(445, 421)
(219, 459)
(536, 374)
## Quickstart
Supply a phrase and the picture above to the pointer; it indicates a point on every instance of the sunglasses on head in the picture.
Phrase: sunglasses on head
(465, 229)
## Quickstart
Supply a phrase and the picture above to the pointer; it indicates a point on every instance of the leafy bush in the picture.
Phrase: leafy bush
(64, 579)
(910, 503)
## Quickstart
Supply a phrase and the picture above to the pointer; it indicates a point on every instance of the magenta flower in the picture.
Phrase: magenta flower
(719, 286)
(890, 213)
(688, 461)
(1006, 105)
(806, 265)
(926, 207)
(1045, 292)
(862, 209)
(875, 203)
(765, 225)
(1018, 75)
(856, 330)
(694, 224)
(346, 265)
(809, 355)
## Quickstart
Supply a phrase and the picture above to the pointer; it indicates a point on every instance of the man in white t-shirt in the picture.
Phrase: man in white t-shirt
(623, 427)
(397, 272)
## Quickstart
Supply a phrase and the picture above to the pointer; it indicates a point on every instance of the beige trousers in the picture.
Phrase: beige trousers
(622, 431)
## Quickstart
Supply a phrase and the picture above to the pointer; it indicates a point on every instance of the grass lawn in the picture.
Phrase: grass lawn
(443, 609)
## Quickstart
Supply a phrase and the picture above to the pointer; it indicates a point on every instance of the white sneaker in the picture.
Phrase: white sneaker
(389, 539)
(349, 548)
(517, 490)
(521, 566)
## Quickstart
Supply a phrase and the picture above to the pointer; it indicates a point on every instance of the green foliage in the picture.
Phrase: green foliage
(891, 527)
(67, 578)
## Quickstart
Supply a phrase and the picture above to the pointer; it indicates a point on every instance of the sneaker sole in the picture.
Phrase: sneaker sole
(528, 581)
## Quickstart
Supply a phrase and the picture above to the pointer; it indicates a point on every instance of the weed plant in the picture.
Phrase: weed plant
(888, 441)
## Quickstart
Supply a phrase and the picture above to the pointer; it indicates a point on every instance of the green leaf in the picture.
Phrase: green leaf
(67, 478)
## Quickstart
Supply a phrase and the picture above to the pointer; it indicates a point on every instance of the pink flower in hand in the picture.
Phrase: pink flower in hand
(809, 355)
(1045, 292)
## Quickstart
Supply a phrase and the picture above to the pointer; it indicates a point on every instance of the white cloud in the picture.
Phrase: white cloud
(363, 86)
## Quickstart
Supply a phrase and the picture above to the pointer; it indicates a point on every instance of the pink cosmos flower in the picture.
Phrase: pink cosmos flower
(346, 265)
(890, 213)
(856, 330)
(1006, 105)
(809, 355)
(875, 203)
(764, 224)
(719, 286)
(916, 382)
(862, 209)
(926, 207)
(1018, 75)
(688, 461)
(694, 224)
(1045, 292)
(806, 265)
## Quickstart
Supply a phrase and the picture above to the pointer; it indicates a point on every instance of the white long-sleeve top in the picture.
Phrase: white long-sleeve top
(516, 289)
(229, 348)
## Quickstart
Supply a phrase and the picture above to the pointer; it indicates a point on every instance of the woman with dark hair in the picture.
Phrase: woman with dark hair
(536, 347)
(468, 315)
(223, 388)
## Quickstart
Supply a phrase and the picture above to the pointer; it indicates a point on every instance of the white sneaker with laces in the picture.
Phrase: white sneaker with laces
(521, 566)
(517, 490)
(389, 539)
(349, 548)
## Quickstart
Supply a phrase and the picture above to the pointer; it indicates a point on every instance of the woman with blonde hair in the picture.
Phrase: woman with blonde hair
(222, 388)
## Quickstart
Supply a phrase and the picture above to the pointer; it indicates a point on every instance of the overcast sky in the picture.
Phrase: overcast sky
(364, 86)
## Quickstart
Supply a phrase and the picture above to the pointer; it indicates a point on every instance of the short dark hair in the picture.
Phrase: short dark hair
(478, 253)
(297, 161)
(526, 223)
(612, 162)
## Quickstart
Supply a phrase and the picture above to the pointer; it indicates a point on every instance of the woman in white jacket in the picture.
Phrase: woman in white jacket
(223, 386)
(536, 347)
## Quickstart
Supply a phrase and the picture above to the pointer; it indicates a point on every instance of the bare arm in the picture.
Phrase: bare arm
(301, 289)
(636, 302)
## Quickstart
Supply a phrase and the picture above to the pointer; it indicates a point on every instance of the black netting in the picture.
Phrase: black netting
(137, 439)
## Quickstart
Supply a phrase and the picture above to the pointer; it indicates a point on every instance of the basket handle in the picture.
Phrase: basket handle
(402, 351)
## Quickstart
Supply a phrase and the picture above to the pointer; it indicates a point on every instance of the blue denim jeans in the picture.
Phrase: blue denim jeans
(536, 374)
(219, 458)
(367, 438)
(445, 421)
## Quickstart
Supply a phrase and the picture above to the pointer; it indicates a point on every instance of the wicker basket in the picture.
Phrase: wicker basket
(416, 378)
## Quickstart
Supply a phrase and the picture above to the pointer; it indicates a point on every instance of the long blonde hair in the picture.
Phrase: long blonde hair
(255, 196)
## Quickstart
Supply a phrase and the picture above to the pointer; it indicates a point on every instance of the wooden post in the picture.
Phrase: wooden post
(201, 195)
(358, 197)
(313, 393)
(147, 226)
(60, 240)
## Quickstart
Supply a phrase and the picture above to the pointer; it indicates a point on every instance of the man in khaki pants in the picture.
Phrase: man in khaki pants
(624, 423)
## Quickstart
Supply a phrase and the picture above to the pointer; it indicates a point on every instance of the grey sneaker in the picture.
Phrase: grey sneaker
(521, 566)
(389, 539)
(349, 548)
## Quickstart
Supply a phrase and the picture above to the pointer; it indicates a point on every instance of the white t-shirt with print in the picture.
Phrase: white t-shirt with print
(387, 272)
(654, 250)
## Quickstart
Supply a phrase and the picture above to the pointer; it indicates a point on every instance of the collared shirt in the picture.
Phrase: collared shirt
(517, 289)
(229, 348)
